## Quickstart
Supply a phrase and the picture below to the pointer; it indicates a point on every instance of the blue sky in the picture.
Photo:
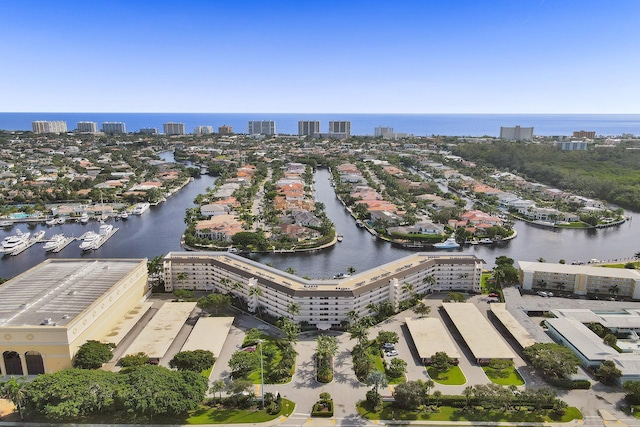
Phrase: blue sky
(306, 56)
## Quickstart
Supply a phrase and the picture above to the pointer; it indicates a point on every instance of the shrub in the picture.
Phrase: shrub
(321, 409)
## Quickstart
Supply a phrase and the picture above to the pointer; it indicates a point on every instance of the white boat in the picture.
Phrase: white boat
(38, 236)
(140, 208)
(450, 243)
(359, 223)
(124, 215)
(105, 229)
(50, 221)
(55, 242)
(6, 224)
(84, 218)
(60, 221)
(341, 276)
(486, 241)
(339, 237)
(90, 241)
(15, 243)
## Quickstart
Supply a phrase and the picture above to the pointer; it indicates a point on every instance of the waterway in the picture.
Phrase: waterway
(158, 231)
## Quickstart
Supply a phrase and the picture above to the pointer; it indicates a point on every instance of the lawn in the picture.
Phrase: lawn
(453, 376)
(447, 413)
(374, 354)
(207, 415)
(483, 282)
(268, 342)
(507, 376)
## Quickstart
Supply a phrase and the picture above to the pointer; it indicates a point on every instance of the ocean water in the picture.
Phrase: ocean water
(361, 124)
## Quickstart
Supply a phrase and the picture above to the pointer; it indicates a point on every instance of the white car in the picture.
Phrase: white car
(388, 346)
(391, 353)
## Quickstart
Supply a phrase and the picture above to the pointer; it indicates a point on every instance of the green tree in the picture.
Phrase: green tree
(377, 380)
(608, 372)
(215, 302)
(196, 360)
(397, 367)
(13, 389)
(290, 330)
(388, 337)
(409, 395)
(240, 390)
(132, 360)
(92, 354)
(183, 294)
(155, 390)
(441, 362)
(243, 362)
(421, 309)
(633, 392)
(553, 360)
(217, 387)
(610, 340)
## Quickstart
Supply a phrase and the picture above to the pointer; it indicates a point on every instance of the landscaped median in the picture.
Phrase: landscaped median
(218, 415)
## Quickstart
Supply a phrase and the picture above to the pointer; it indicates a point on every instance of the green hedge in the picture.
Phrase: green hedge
(570, 384)
(322, 413)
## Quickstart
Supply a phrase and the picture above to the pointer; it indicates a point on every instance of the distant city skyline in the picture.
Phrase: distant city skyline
(407, 57)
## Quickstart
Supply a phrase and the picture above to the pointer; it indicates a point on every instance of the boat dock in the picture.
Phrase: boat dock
(32, 241)
(66, 243)
(105, 237)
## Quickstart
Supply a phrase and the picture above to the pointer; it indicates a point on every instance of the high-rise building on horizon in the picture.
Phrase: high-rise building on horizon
(114, 127)
(149, 131)
(516, 133)
(381, 130)
(202, 130)
(584, 134)
(261, 127)
(87, 127)
(308, 127)
(225, 130)
(174, 128)
(46, 126)
(339, 129)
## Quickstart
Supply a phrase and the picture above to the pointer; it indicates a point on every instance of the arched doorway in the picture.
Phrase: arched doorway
(35, 364)
(12, 363)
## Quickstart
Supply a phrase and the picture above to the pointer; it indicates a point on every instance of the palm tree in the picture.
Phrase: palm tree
(181, 277)
(468, 392)
(14, 391)
(429, 280)
(361, 333)
(376, 379)
(293, 309)
(225, 282)
(437, 395)
(372, 307)
(353, 316)
(407, 288)
(217, 387)
(614, 290)
(290, 270)
(428, 385)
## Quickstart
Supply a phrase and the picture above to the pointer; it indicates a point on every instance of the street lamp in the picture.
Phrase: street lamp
(261, 375)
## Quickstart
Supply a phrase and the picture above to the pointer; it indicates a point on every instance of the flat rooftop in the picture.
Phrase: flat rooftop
(430, 337)
(209, 333)
(156, 338)
(59, 289)
(480, 335)
(583, 339)
(621, 273)
(524, 338)
(626, 318)
(352, 285)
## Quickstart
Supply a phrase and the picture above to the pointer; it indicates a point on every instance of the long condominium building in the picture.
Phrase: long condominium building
(174, 128)
(114, 127)
(580, 279)
(323, 303)
(45, 126)
(202, 130)
(308, 127)
(264, 127)
(87, 127)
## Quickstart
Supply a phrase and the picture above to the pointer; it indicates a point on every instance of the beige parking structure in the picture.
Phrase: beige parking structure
(519, 333)
(209, 333)
(430, 337)
(480, 336)
(156, 338)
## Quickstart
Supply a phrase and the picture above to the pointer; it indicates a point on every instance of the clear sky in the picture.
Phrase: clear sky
(313, 56)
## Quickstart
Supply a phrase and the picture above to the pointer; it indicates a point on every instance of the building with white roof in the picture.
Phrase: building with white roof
(580, 279)
(49, 311)
(480, 336)
(323, 303)
(430, 337)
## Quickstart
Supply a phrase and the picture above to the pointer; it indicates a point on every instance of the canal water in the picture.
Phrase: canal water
(158, 231)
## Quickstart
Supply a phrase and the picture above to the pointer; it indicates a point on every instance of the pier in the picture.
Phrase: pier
(104, 238)
(66, 243)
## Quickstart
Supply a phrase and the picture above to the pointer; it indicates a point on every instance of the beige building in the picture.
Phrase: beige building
(49, 311)
(323, 303)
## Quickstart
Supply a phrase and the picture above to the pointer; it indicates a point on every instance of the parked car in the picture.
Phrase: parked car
(494, 295)
(545, 294)
(388, 346)
(391, 353)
